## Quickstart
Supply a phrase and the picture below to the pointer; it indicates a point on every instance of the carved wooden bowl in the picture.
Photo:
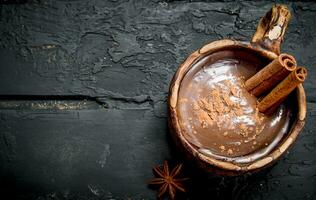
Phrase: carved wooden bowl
(264, 47)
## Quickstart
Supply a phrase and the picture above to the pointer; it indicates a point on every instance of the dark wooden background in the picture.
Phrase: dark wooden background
(83, 88)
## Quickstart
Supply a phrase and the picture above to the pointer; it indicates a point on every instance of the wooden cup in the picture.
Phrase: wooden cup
(265, 44)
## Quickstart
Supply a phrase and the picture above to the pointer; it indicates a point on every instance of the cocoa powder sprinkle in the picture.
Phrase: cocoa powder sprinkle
(220, 106)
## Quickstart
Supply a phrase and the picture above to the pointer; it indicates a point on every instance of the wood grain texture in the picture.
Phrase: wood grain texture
(120, 56)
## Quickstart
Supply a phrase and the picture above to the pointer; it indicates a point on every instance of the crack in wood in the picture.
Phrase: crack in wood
(55, 102)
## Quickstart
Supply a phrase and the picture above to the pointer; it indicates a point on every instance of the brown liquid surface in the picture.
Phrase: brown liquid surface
(219, 117)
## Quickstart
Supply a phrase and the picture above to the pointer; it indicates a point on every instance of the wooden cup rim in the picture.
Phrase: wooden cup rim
(174, 121)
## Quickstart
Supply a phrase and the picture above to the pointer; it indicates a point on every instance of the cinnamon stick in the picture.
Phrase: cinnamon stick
(275, 106)
(271, 75)
(283, 89)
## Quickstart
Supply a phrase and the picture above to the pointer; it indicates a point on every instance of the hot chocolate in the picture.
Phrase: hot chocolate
(220, 117)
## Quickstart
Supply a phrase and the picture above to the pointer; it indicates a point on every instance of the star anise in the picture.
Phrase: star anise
(167, 180)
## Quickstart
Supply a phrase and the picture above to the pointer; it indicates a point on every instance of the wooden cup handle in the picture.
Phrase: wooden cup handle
(271, 28)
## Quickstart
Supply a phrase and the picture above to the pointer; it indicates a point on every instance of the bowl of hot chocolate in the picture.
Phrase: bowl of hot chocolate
(237, 107)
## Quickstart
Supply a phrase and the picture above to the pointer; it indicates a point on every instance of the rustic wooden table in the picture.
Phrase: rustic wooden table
(83, 97)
